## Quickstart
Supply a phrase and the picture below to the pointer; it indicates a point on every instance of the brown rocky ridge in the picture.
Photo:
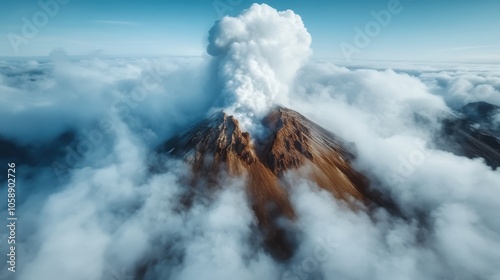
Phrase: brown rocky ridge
(217, 145)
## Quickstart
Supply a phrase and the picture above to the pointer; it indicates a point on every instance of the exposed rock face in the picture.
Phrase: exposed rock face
(218, 145)
(484, 115)
(293, 142)
(298, 142)
(474, 133)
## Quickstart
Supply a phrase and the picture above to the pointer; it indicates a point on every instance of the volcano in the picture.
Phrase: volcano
(291, 144)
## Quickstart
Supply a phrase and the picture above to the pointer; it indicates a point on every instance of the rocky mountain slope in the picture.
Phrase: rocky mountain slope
(474, 133)
(217, 146)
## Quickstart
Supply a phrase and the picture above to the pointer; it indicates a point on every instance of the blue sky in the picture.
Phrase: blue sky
(425, 30)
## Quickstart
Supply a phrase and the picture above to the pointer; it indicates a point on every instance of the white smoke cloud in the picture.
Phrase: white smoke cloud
(258, 54)
(110, 217)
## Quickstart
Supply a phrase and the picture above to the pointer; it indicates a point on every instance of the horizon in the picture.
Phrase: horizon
(381, 30)
(151, 141)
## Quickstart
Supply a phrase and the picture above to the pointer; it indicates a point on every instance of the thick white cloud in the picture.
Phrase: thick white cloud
(66, 95)
(110, 217)
(258, 54)
(455, 195)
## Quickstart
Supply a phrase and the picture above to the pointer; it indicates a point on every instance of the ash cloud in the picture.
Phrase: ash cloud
(110, 216)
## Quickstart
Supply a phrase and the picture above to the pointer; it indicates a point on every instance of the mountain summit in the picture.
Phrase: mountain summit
(292, 143)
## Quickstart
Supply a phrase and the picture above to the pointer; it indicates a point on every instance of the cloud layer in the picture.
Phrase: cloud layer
(108, 217)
